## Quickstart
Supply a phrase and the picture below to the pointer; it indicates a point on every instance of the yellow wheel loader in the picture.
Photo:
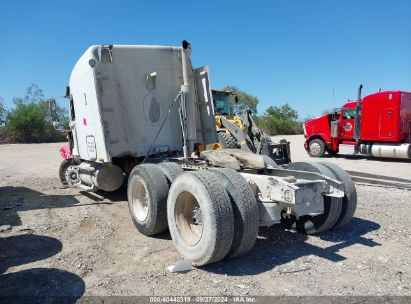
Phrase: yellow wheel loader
(237, 129)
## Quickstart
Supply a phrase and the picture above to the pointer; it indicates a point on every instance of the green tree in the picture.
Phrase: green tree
(27, 121)
(33, 95)
(284, 112)
(279, 120)
(245, 100)
(30, 121)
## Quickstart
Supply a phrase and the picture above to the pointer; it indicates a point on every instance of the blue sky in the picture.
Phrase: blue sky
(280, 51)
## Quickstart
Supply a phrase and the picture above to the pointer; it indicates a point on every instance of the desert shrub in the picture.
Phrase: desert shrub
(29, 120)
(279, 121)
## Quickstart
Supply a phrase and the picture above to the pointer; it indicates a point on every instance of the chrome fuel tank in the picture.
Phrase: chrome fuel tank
(391, 150)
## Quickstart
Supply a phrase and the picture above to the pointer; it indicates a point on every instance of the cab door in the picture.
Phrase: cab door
(347, 124)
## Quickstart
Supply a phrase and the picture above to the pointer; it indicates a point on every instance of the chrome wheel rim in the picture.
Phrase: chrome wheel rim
(315, 148)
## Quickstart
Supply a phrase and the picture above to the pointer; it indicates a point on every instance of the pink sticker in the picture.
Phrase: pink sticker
(84, 121)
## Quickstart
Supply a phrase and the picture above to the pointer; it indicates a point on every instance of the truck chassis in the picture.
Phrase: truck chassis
(214, 212)
(126, 127)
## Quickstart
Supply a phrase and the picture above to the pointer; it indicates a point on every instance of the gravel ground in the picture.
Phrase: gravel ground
(67, 242)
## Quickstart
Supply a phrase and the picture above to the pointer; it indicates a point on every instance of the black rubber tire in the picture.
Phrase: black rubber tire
(319, 144)
(268, 161)
(154, 181)
(171, 170)
(63, 167)
(332, 205)
(227, 141)
(217, 217)
(349, 202)
(331, 152)
(245, 210)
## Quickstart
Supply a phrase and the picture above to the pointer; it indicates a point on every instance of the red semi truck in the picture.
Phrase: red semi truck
(377, 125)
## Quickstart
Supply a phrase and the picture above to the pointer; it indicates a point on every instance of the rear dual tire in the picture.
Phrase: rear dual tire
(171, 170)
(349, 201)
(147, 199)
(147, 192)
(245, 210)
(200, 217)
(211, 214)
(332, 206)
(338, 212)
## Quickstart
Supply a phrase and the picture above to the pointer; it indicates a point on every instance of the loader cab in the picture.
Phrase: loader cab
(221, 100)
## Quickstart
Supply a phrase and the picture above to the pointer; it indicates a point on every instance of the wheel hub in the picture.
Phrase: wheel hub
(315, 148)
(197, 216)
(72, 176)
(189, 218)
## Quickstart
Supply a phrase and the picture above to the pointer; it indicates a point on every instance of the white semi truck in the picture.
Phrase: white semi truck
(143, 115)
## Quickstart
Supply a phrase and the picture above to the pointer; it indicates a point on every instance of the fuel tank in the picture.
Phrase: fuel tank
(391, 150)
(101, 176)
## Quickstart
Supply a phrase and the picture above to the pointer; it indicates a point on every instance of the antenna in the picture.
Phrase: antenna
(334, 104)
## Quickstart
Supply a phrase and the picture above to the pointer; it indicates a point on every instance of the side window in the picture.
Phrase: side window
(349, 114)
(72, 114)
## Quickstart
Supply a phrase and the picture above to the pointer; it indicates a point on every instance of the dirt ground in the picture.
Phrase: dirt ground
(67, 242)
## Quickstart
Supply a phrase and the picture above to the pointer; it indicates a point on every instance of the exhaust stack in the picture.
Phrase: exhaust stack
(357, 128)
(188, 99)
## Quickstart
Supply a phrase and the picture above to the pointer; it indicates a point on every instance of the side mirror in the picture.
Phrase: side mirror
(53, 113)
(53, 109)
